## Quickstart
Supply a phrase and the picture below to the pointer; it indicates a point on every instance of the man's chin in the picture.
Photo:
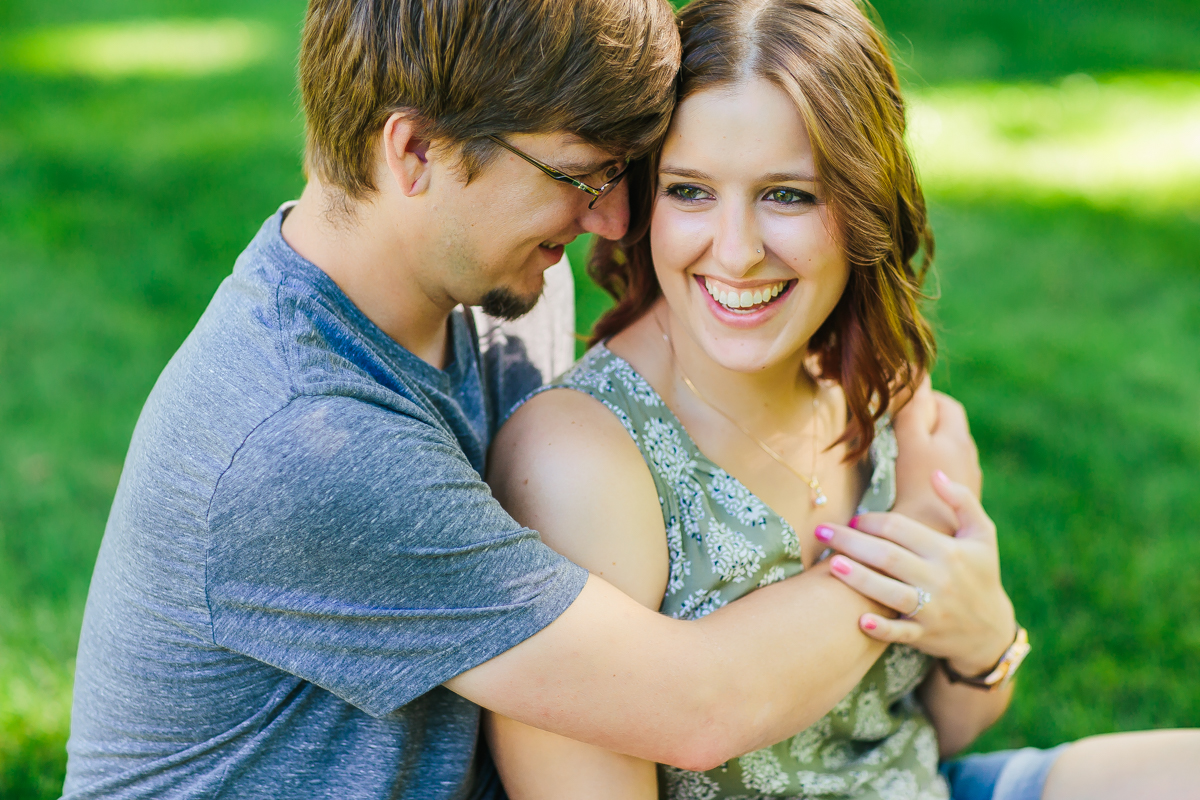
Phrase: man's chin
(506, 304)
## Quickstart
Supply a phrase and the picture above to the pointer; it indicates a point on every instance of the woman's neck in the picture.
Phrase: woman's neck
(766, 400)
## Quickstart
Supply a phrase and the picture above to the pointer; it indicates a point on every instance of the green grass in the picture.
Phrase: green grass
(1070, 327)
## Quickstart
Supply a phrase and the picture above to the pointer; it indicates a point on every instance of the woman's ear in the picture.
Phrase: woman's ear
(407, 154)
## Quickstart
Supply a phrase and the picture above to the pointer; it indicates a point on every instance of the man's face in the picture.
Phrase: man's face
(501, 231)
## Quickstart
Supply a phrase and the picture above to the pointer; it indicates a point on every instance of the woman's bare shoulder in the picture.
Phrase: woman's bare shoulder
(564, 465)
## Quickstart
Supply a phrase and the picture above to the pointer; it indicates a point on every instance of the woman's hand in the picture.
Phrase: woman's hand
(968, 618)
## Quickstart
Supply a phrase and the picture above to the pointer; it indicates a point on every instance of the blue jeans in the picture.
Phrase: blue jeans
(1004, 775)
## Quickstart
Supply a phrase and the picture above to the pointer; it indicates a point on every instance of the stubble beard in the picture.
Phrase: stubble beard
(505, 304)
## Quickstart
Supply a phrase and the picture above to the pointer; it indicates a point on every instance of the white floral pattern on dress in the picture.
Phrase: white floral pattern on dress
(871, 720)
(636, 385)
(684, 784)
(904, 668)
(892, 748)
(817, 783)
(926, 747)
(896, 784)
(774, 575)
(678, 564)
(762, 772)
(734, 557)
(699, 604)
(881, 492)
(666, 450)
(803, 746)
(844, 707)
(791, 542)
(737, 500)
(837, 755)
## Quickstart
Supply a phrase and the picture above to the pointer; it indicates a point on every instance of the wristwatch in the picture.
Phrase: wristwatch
(1004, 670)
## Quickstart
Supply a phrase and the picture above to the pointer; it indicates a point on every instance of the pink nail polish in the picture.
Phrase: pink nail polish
(869, 625)
(941, 476)
(839, 565)
(823, 533)
(853, 523)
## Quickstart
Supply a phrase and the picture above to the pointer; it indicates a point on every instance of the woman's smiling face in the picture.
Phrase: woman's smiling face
(744, 247)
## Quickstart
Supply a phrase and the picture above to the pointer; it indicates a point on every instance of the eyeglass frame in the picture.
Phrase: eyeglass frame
(562, 177)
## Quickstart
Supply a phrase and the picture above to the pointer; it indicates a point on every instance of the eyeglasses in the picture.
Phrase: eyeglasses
(612, 177)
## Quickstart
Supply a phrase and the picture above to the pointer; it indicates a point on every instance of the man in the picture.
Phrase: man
(305, 587)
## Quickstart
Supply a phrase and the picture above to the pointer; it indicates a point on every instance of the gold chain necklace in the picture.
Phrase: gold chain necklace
(814, 485)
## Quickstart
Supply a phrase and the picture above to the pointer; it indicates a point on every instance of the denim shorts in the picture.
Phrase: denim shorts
(1004, 775)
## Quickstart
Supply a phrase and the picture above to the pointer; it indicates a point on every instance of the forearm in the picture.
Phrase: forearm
(959, 712)
(692, 694)
(780, 673)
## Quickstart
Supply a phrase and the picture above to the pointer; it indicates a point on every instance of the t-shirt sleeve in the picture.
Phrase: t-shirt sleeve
(356, 547)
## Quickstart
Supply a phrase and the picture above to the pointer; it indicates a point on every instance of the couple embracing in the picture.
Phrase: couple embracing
(735, 552)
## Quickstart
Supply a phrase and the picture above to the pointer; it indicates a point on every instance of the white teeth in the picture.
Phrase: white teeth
(745, 299)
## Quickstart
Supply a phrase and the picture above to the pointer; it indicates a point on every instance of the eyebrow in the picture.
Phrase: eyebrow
(583, 168)
(774, 177)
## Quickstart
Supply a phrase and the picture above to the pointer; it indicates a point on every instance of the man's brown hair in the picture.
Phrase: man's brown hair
(833, 63)
(601, 69)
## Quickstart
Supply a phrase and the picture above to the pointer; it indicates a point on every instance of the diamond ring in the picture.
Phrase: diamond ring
(923, 598)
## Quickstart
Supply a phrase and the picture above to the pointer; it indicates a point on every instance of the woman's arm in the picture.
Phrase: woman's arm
(630, 553)
(967, 618)
(960, 712)
(565, 466)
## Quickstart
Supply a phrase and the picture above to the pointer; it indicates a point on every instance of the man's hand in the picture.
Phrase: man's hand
(932, 434)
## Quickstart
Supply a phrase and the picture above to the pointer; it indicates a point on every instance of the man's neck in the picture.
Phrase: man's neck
(375, 267)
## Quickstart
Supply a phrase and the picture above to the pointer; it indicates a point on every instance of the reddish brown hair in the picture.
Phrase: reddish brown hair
(601, 69)
(829, 58)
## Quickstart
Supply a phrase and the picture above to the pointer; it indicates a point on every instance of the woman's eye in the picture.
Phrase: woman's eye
(789, 197)
(687, 193)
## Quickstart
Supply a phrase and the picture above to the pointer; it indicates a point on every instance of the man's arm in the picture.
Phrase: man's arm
(613, 673)
(932, 434)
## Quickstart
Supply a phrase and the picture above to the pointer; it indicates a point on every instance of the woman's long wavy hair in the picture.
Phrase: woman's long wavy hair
(833, 63)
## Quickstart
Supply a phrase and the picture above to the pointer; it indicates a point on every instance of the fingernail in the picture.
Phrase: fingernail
(823, 533)
(941, 476)
(869, 624)
(853, 523)
(839, 565)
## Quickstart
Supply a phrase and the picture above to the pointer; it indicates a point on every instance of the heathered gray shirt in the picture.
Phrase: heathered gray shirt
(300, 551)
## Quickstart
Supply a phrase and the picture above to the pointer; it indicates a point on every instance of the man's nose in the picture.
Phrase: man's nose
(610, 216)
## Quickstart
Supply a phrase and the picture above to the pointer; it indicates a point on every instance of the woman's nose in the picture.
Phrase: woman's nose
(737, 242)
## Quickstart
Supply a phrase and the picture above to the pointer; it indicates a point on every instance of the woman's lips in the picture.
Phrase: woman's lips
(757, 312)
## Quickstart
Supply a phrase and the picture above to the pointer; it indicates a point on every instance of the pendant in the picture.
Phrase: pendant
(819, 499)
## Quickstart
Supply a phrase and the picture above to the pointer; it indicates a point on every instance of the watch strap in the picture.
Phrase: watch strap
(1002, 672)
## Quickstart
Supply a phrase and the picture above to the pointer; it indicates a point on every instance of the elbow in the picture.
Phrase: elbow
(700, 756)
(708, 744)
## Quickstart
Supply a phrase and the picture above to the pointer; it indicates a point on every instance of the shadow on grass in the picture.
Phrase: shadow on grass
(32, 764)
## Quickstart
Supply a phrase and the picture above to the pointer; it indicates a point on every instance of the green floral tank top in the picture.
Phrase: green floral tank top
(876, 743)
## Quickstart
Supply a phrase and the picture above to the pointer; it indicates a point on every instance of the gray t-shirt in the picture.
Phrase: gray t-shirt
(300, 551)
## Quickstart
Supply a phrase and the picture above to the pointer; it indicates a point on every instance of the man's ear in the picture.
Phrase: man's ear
(407, 154)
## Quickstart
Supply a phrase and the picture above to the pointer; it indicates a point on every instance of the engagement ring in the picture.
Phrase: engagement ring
(923, 597)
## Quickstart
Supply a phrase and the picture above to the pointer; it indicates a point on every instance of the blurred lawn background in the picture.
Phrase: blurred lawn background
(142, 143)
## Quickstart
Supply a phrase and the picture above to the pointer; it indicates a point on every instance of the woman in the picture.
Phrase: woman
(735, 409)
